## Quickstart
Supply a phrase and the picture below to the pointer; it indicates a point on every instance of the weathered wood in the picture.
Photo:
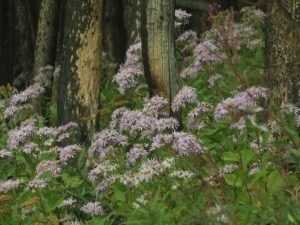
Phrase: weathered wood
(25, 41)
(4, 43)
(283, 50)
(192, 4)
(80, 78)
(114, 40)
(46, 38)
(132, 20)
(158, 48)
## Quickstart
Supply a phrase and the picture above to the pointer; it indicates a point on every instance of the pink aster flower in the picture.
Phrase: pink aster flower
(67, 203)
(106, 140)
(186, 95)
(195, 116)
(67, 152)
(36, 183)
(185, 144)
(93, 208)
(136, 152)
(5, 154)
(48, 165)
(29, 93)
(181, 15)
(154, 106)
(240, 102)
(9, 185)
(18, 135)
(131, 70)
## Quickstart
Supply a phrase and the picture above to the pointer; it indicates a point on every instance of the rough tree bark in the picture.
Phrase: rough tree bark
(80, 78)
(46, 38)
(114, 40)
(25, 42)
(192, 4)
(132, 20)
(4, 43)
(158, 48)
(283, 50)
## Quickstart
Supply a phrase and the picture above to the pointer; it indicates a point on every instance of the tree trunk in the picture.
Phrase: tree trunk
(114, 40)
(132, 20)
(46, 38)
(193, 4)
(283, 50)
(158, 48)
(80, 80)
(4, 43)
(25, 43)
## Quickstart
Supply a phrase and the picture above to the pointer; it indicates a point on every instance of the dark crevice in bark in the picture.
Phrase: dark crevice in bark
(144, 37)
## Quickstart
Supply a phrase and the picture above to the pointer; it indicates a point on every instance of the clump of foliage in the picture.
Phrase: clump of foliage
(233, 159)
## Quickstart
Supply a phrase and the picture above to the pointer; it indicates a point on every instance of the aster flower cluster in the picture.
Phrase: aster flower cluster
(146, 172)
(18, 102)
(107, 140)
(240, 124)
(144, 123)
(9, 185)
(29, 93)
(195, 116)
(60, 133)
(181, 17)
(19, 135)
(13, 110)
(207, 52)
(104, 184)
(227, 169)
(182, 174)
(160, 140)
(5, 154)
(242, 102)
(234, 35)
(251, 13)
(67, 152)
(36, 183)
(150, 126)
(135, 153)
(186, 95)
(92, 208)
(185, 144)
(154, 106)
(67, 203)
(102, 170)
(131, 70)
(187, 42)
(52, 166)
(204, 53)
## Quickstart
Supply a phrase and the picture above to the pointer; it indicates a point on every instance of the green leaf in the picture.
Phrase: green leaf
(53, 199)
(119, 196)
(233, 180)
(71, 181)
(26, 195)
(247, 156)
(275, 182)
(231, 156)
